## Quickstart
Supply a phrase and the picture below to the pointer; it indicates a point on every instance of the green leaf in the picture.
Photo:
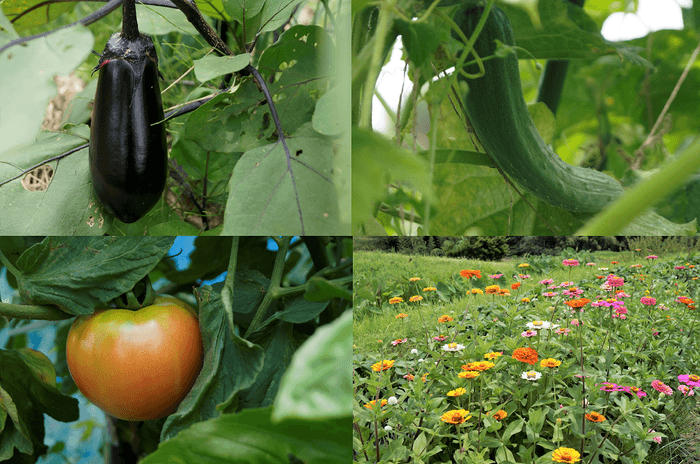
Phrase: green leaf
(82, 273)
(420, 40)
(249, 437)
(275, 13)
(231, 365)
(376, 162)
(300, 310)
(162, 21)
(320, 289)
(268, 195)
(212, 66)
(37, 17)
(325, 119)
(26, 83)
(317, 383)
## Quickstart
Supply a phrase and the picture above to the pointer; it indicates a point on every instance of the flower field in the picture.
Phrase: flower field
(583, 358)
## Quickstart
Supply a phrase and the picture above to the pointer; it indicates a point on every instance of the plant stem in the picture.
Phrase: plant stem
(275, 281)
(227, 291)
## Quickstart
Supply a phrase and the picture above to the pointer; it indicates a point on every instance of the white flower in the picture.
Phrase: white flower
(387, 428)
(453, 347)
(392, 400)
(531, 375)
(538, 325)
(420, 360)
(414, 351)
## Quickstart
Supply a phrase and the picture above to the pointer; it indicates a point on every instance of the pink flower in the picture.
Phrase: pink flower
(546, 281)
(692, 380)
(614, 281)
(686, 390)
(651, 257)
(570, 262)
(529, 333)
(661, 387)
(656, 439)
(611, 387)
(647, 300)
(398, 340)
(575, 322)
(634, 391)
(441, 338)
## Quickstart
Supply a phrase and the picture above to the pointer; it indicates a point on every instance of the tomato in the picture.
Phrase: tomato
(136, 365)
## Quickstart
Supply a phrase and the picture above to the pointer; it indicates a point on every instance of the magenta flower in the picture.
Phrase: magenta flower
(610, 387)
(651, 257)
(647, 300)
(634, 391)
(661, 387)
(570, 262)
(398, 341)
(692, 380)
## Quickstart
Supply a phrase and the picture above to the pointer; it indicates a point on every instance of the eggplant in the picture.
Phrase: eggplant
(128, 149)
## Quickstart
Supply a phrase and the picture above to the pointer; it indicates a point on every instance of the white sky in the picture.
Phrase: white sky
(651, 15)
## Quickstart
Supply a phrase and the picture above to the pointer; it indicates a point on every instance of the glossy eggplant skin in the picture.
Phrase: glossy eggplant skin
(128, 150)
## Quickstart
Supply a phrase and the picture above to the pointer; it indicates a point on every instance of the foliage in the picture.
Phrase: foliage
(275, 329)
(481, 248)
(434, 177)
(228, 171)
(544, 411)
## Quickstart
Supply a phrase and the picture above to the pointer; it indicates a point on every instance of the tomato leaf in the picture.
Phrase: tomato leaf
(82, 273)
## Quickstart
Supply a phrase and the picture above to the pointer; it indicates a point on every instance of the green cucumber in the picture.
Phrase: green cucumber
(499, 115)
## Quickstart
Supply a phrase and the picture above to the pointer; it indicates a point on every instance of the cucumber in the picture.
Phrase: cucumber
(497, 111)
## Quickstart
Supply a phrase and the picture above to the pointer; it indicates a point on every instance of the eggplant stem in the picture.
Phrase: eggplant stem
(130, 27)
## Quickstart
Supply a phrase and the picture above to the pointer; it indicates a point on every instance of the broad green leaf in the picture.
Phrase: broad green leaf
(81, 273)
(212, 66)
(26, 82)
(270, 194)
(161, 21)
(37, 17)
(318, 382)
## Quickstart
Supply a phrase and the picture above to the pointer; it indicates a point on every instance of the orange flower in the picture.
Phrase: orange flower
(444, 318)
(503, 291)
(414, 279)
(382, 366)
(478, 366)
(396, 299)
(526, 355)
(515, 286)
(577, 303)
(492, 289)
(468, 273)
(595, 417)
(415, 298)
(500, 415)
(373, 402)
(401, 315)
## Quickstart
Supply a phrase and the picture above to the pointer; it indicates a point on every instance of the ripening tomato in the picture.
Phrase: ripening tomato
(136, 365)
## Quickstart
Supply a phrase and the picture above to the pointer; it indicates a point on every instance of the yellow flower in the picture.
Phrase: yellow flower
(401, 315)
(468, 374)
(550, 362)
(525, 300)
(566, 455)
(414, 279)
(429, 289)
(415, 298)
(396, 299)
(492, 355)
(477, 291)
(478, 366)
(457, 392)
(444, 318)
(455, 416)
(382, 366)
(492, 289)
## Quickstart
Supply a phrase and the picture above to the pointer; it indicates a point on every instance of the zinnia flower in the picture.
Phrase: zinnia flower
(550, 362)
(692, 380)
(660, 387)
(469, 374)
(595, 417)
(429, 289)
(478, 366)
(538, 325)
(570, 262)
(686, 390)
(453, 347)
(399, 340)
(500, 415)
(634, 391)
(414, 279)
(468, 273)
(444, 318)
(529, 333)
(477, 291)
(610, 387)
(492, 289)
(531, 375)
(457, 392)
(455, 416)
(382, 366)
(526, 355)
(647, 300)
(415, 298)
(396, 299)
(515, 286)
(493, 355)
(566, 455)
(401, 315)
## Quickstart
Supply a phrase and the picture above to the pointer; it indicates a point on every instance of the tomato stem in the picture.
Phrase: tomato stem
(275, 280)
(19, 311)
